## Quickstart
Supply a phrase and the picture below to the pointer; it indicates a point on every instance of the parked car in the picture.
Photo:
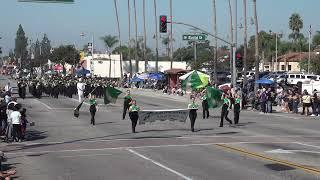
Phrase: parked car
(300, 78)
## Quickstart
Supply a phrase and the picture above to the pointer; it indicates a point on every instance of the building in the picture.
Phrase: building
(100, 65)
(287, 62)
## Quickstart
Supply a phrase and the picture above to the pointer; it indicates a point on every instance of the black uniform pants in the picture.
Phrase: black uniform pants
(93, 111)
(192, 117)
(205, 109)
(16, 132)
(236, 113)
(224, 115)
(125, 109)
(134, 116)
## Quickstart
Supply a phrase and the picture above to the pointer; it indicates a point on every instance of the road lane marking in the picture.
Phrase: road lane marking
(134, 147)
(288, 151)
(318, 147)
(87, 155)
(266, 158)
(47, 106)
(159, 164)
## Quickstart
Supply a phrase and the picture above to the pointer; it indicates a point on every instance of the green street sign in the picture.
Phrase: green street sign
(48, 1)
(200, 37)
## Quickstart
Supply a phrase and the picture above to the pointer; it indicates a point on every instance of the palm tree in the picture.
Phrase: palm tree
(136, 31)
(166, 43)
(129, 44)
(245, 43)
(295, 24)
(256, 40)
(109, 42)
(119, 36)
(145, 37)
(215, 41)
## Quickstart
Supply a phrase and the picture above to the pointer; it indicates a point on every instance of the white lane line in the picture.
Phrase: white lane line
(87, 155)
(159, 164)
(47, 106)
(309, 145)
(142, 147)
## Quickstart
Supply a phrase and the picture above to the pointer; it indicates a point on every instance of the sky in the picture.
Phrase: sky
(63, 23)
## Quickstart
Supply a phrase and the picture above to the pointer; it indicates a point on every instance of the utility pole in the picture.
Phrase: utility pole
(119, 36)
(309, 58)
(156, 34)
(215, 48)
(129, 43)
(145, 38)
(245, 43)
(136, 31)
(235, 29)
(171, 39)
(195, 51)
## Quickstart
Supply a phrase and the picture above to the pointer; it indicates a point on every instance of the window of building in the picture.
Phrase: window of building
(289, 67)
(283, 68)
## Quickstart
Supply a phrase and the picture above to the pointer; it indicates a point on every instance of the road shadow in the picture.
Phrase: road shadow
(33, 135)
(279, 167)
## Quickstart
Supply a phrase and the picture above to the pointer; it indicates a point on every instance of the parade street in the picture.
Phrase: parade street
(60, 146)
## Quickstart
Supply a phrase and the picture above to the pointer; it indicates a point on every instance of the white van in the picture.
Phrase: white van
(296, 78)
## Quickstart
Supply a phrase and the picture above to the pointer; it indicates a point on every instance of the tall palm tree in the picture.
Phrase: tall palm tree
(256, 40)
(136, 31)
(145, 38)
(156, 34)
(231, 35)
(110, 41)
(245, 43)
(295, 24)
(166, 43)
(129, 44)
(215, 48)
(119, 36)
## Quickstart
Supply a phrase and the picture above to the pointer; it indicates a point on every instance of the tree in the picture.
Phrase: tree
(21, 44)
(110, 41)
(65, 54)
(314, 65)
(45, 51)
(316, 39)
(37, 54)
(295, 24)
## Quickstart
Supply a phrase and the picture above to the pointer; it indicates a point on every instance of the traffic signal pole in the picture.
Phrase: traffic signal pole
(233, 45)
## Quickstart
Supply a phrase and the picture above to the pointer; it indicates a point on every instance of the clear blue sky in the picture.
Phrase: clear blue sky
(63, 23)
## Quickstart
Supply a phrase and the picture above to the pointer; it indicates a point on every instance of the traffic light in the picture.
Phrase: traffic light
(163, 24)
(239, 62)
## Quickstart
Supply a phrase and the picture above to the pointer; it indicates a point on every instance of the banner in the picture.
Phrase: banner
(149, 116)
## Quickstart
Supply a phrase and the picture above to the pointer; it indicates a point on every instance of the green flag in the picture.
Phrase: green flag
(111, 95)
(214, 97)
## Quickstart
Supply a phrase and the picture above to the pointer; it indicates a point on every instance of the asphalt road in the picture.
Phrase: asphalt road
(61, 147)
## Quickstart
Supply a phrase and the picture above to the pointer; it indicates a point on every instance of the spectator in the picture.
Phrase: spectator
(315, 103)
(295, 103)
(24, 122)
(15, 117)
(269, 100)
(263, 100)
(8, 88)
(306, 102)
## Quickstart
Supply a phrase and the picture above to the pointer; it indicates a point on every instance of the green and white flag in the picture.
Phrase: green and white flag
(214, 97)
(111, 95)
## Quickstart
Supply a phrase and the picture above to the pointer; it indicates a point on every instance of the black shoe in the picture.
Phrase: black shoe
(220, 126)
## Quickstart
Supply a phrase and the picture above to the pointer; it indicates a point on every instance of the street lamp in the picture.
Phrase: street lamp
(277, 35)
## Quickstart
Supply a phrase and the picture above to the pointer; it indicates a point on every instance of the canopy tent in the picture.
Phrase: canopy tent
(136, 79)
(156, 76)
(264, 81)
(82, 72)
(194, 80)
(58, 67)
(143, 76)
